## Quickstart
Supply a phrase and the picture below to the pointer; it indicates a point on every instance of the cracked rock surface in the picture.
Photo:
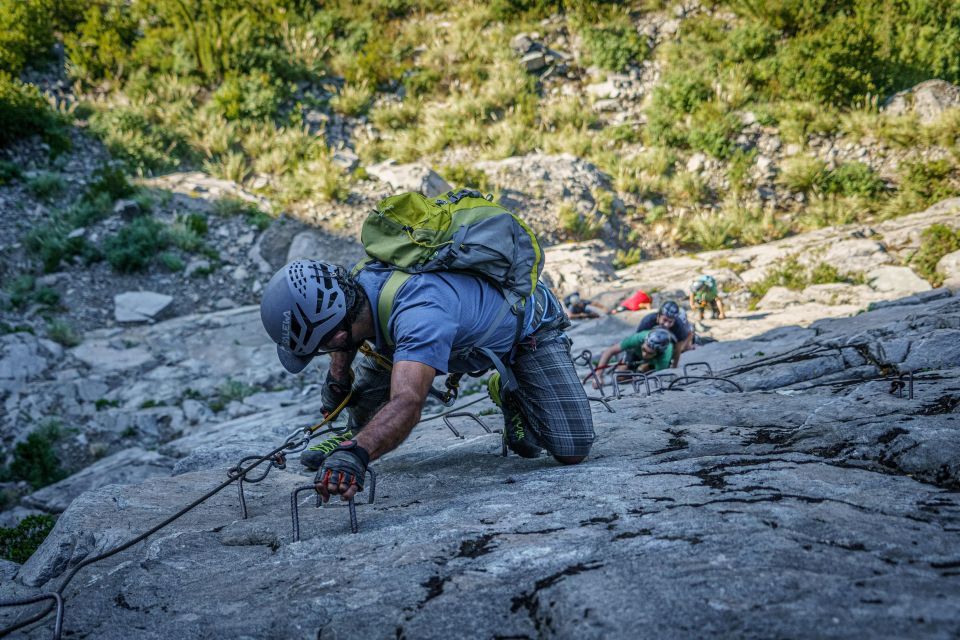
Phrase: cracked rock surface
(818, 504)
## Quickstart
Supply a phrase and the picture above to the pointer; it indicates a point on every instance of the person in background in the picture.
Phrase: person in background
(578, 307)
(704, 293)
(672, 318)
(638, 301)
(646, 351)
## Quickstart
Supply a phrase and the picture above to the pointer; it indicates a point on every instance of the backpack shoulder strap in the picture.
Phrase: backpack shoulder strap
(385, 302)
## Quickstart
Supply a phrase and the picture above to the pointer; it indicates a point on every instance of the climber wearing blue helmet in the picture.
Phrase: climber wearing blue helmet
(645, 351)
(672, 318)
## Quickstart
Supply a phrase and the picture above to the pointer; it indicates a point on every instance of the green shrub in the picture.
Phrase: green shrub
(253, 97)
(510, 10)
(144, 143)
(713, 131)
(171, 261)
(237, 207)
(26, 33)
(9, 171)
(62, 332)
(46, 185)
(51, 243)
(791, 274)
(803, 174)
(100, 46)
(921, 184)
(613, 46)
(854, 179)
(936, 241)
(24, 112)
(229, 391)
(23, 291)
(462, 175)
(112, 181)
(34, 459)
(135, 245)
(18, 543)
(579, 226)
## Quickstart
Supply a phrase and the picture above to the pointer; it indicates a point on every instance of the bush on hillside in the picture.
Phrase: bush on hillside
(936, 241)
(18, 543)
(100, 46)
(26, 33)
(613, 46)
(135, 245)
(35, 460)
(25, 112)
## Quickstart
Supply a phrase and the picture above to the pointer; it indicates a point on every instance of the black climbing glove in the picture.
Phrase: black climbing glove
(334, 392)
(347, 464)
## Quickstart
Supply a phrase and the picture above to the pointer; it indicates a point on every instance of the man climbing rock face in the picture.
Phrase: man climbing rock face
(439, 322)
(650, 350)
(672, 318)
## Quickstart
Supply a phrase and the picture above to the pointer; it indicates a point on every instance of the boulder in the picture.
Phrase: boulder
(533, 61)
(98, 354)
(346, 159)
(139, 306)
(415, 176)
(21, 357)
(896, 281)
(522, 43)
(129, 466)
(855, 255)
(579, 266)
(314, 244)
(127, 209)
(838, 293)
(928, 100)
(949, 268)
(780, 297)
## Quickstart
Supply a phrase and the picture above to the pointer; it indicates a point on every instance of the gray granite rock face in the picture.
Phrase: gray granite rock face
(817, 503)
(139, 306)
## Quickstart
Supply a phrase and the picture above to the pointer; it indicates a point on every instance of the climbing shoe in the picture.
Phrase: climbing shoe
(514, 431)
(313, 457)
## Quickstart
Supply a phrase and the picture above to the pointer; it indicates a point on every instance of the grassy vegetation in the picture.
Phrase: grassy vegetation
(34, 459)
(936, 241)
(790, 273)
(18, 543)
(233, 88)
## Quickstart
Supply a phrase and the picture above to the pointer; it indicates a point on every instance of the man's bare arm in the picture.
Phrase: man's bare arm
(340, 362)
(409, 384)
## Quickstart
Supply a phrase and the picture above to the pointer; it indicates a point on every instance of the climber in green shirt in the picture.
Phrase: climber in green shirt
(645, 351)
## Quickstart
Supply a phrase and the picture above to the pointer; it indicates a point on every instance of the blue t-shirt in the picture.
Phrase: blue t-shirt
(439, 313)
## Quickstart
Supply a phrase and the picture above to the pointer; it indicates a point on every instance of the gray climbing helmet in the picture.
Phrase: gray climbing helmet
(670, 309)
(302, 305)
(657, 340)
(696, 285)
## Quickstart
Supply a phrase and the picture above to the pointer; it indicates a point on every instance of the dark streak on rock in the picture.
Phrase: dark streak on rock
(530, 600)
(476, 547)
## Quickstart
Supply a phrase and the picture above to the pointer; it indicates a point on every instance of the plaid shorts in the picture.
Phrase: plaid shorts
(551, 400)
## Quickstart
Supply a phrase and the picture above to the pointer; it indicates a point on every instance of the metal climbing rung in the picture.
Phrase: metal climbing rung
(351, 504)
(603, 401)
(727, 380)
(463, 414)
(903, 380)
(586, 359)
(692, 365)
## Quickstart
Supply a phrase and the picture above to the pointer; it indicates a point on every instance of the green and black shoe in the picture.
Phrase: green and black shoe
(514, 430)
(313, 457)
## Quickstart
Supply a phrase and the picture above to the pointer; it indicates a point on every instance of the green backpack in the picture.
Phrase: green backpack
(461, 232)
